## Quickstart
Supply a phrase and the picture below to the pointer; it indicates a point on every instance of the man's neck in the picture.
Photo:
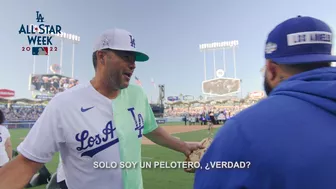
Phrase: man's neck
(103, 89)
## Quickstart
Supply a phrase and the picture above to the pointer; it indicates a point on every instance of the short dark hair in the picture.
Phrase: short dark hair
(299, 68)
(94, 59)
(2, 117)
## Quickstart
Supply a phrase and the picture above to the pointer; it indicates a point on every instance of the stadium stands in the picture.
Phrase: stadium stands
(158, 110)
(17, 112)
(217, 111)
(22, 113)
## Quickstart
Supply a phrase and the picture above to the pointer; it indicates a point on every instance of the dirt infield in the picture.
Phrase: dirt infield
(177, 129)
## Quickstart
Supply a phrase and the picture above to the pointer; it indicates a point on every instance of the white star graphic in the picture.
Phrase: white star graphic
(105, 42)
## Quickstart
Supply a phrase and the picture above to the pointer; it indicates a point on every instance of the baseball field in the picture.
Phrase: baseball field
(153, 178)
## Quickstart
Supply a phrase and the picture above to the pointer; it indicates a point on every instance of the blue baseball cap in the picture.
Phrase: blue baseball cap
(300, 40)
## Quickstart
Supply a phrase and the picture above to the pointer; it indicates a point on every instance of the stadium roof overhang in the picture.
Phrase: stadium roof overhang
(23, 100)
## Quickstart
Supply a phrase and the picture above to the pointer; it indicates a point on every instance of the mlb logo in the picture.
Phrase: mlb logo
(40, 51)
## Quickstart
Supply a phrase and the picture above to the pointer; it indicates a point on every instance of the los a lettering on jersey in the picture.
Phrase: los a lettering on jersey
(86, 127)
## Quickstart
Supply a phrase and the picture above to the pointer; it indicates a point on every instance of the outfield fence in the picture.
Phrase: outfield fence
(19, 124)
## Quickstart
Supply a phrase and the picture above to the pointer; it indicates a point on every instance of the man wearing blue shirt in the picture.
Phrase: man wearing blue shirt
(289, 138)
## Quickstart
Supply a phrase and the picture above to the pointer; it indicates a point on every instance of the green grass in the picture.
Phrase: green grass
(153, 178)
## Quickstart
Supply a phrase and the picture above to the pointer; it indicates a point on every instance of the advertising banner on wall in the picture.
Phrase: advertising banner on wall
(256, 95)
(172, 98)
(6, 93)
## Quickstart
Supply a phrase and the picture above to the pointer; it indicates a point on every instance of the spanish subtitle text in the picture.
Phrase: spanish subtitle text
(172, 165)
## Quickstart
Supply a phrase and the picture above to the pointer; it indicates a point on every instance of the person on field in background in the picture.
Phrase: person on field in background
(287, 140)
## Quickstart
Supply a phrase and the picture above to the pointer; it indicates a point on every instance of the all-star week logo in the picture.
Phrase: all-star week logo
(40, 36)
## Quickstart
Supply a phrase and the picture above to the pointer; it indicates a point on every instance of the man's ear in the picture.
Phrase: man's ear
(100, 57)
(271, 70)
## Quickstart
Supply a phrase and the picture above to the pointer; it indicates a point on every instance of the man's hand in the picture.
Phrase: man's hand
(197, 151)
(162, 138)
(192, 146)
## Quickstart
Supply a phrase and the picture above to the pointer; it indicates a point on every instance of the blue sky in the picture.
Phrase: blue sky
(168, 31)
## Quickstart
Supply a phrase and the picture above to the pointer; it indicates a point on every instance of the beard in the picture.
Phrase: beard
(113, 81)
(267, 87)
(116, 81)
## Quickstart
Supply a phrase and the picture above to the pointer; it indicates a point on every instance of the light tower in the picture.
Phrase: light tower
(63, 36)
(220, 84)
(223, 46)
(74, 39)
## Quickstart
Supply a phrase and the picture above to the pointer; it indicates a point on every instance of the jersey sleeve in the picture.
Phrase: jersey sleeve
(150, 122)
(45, 136)
(229, 145)
(5, 133)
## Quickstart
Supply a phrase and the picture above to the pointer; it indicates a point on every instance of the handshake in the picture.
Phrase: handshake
(196, 155)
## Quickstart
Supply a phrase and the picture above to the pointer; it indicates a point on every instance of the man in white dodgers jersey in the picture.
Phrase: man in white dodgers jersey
(100, 121)
(5, 142)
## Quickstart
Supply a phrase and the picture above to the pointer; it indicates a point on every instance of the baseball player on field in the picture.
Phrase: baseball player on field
(103, 120)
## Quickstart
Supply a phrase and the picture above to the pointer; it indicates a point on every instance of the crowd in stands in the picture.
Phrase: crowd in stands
(203, 113)
(22, 113)
(196, 113)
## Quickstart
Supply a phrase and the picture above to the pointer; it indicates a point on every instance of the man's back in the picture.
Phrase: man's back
(293, 143)
(289, 139)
